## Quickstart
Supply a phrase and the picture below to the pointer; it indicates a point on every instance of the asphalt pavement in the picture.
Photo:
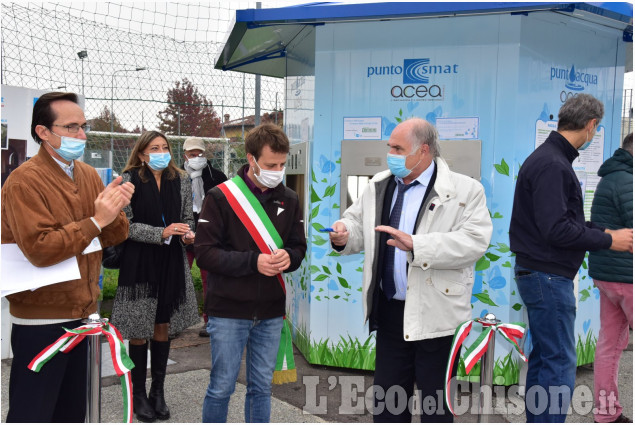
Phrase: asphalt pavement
(321, 394)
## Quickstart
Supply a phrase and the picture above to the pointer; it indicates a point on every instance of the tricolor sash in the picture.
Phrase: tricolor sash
(510, 332)
(253, 216)
(120, 359)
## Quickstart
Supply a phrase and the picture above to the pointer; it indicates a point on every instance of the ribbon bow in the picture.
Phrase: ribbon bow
(120, 359)
(510, 331)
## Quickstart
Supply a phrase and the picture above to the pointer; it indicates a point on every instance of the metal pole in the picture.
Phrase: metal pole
(226, 154)
(222, 114)
(82, 77)
(257, 89)
(276, 109)
(243, 120)
(112, 120)
(112, 112)
(93, 384)
(487, 374)
(178, 117)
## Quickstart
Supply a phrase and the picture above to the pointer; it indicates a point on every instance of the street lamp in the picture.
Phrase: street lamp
(82, 55)
(112, 106)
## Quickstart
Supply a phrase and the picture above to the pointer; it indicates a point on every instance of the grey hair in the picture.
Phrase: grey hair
(627, 144)
(424, 133)
(577, 111)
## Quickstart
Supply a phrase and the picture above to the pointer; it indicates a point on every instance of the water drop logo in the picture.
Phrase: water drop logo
(575, 80)
(571, 84)
(415, 71)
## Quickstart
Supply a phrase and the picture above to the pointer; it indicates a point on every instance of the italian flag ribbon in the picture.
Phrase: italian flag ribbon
(253, 216)
(511, 332)
(121, 362)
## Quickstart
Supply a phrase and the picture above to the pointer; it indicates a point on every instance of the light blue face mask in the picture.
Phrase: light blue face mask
(70, 147)
(588, 143)
(397, 164)
(158, 161)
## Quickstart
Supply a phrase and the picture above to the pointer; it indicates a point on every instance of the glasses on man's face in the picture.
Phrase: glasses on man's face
(193, 155)
(74, 128)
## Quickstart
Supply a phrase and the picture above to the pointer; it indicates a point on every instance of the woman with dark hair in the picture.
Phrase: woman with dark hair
(155, 296)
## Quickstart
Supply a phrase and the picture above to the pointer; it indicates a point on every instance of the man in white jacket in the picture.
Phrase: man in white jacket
(421, 227)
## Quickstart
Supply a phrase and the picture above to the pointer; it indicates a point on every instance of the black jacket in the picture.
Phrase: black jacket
(211, 178)
(547, 230)
(223, 247)
(613, 208)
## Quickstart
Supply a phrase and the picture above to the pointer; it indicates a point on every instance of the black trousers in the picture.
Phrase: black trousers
(57, 393)
(399, 364)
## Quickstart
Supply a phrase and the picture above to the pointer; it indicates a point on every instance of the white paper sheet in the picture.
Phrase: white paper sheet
(18, 274)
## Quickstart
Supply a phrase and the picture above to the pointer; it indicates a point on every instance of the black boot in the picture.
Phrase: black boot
(158, 363)
(142, 407)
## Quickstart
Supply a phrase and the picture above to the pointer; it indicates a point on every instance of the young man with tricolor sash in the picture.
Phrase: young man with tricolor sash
(250, 230)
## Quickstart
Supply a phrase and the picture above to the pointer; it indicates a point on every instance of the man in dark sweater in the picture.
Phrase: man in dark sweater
(245, 301)
(612, 273)
(549, 236)
(204, 177)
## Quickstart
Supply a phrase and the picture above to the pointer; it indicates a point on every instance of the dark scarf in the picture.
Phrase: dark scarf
(150, 270)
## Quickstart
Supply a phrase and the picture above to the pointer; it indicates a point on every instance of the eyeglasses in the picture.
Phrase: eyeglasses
(74, 128)
(192, 156)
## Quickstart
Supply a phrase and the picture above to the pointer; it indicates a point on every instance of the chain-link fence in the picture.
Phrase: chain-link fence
(225, 154)
(140, 66)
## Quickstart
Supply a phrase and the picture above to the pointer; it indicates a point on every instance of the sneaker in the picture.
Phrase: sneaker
(203, 332)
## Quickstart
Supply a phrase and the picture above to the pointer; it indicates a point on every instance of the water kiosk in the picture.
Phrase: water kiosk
(490, 76)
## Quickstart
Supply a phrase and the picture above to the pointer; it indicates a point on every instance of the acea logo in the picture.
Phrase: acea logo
(417, 75)
(575, 80)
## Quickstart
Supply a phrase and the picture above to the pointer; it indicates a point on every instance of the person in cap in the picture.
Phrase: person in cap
(204, 177)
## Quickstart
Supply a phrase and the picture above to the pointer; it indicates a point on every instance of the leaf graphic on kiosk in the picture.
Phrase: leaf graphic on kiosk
(330, 191)
(343, 282)
(314, 196)
(502, 247)
(584, 294)
(482, 264)
(315, 211)
(502, 168)
(319, 240)
(485, 299)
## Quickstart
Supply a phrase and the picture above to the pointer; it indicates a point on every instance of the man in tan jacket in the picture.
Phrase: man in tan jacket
(55, 208)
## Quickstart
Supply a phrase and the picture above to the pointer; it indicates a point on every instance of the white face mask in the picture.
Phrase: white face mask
(269, 178)
(196, 163)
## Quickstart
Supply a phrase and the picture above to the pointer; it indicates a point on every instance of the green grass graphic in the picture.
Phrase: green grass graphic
(586, 350)
(347, 352)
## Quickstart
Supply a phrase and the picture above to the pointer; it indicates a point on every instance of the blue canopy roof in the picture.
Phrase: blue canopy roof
(260, 36)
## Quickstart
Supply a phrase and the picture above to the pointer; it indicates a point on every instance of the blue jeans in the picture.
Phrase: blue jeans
(550, 305)
(228, 339)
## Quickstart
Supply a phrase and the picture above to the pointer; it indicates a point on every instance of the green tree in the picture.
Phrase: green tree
(102, 122)
(189, 112)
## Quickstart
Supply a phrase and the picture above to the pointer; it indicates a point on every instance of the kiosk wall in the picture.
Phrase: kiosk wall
(495, 82)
